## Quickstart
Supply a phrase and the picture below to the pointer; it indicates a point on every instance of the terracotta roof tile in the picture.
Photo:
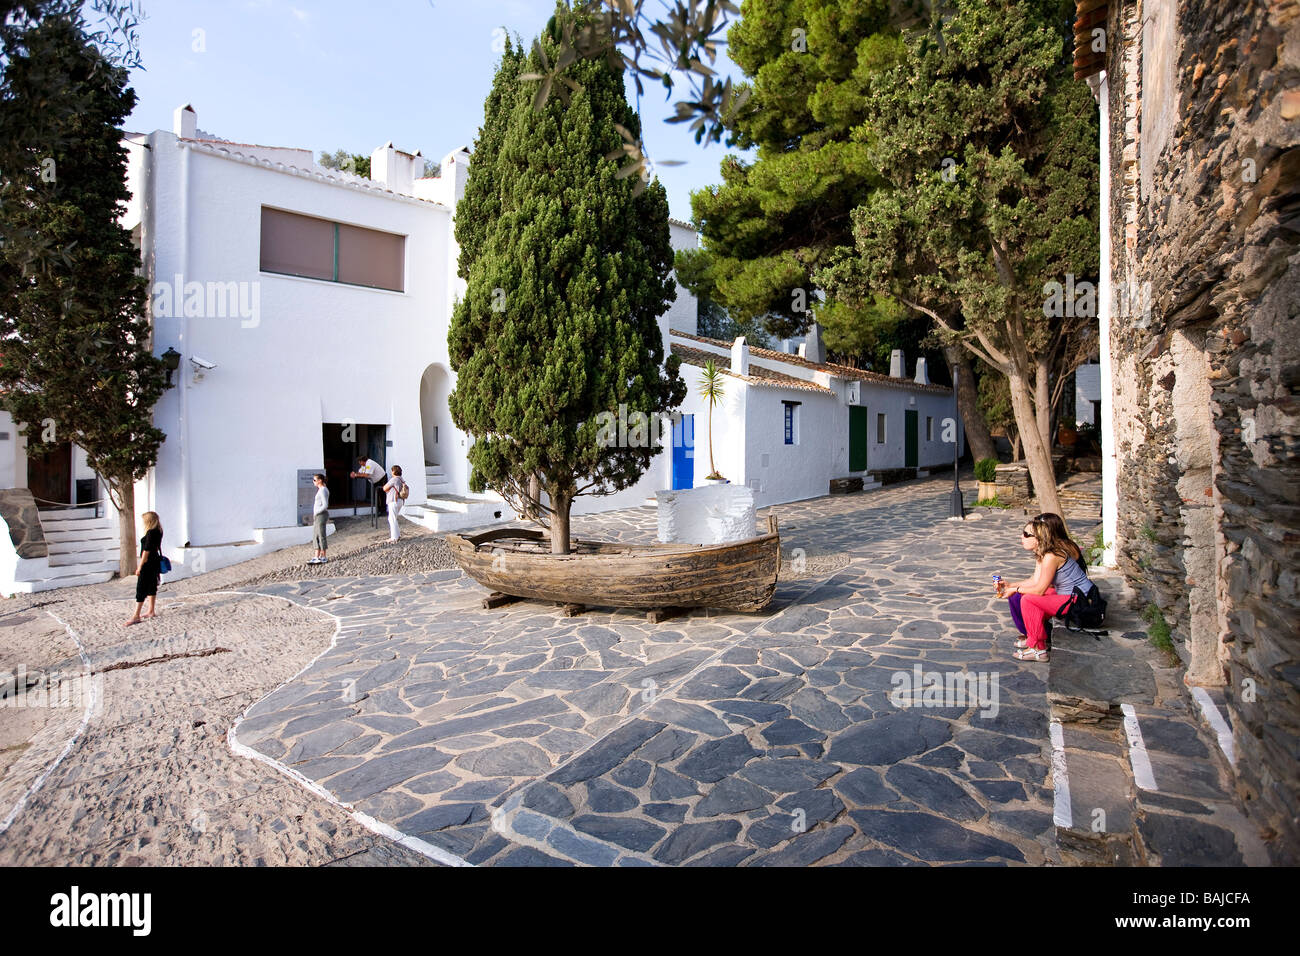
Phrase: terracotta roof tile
(757, 375)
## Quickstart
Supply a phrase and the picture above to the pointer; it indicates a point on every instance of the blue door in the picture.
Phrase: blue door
(684, 452)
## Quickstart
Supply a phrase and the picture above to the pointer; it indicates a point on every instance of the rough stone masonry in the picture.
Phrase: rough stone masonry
(1204, 112)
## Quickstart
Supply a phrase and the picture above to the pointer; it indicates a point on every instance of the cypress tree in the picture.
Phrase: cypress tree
(567, 272)
(77, 363)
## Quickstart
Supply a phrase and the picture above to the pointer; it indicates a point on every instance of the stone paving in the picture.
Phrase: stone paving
(810, 733)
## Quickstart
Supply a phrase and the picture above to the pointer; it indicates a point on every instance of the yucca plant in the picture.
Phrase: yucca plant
(711, 392)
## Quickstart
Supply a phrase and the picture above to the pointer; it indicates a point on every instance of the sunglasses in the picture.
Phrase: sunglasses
(1026, 534)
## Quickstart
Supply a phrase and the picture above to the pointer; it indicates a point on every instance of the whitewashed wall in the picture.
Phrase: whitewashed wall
(316, 351)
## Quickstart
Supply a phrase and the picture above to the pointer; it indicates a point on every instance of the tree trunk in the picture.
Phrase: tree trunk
(1038, 453)
(712, 470)
(1015, 444)
(977, 430)
(124, 501)
(1043, 403)
(560, 504)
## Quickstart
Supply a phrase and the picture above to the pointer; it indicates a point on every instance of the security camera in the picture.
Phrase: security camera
(202, 363)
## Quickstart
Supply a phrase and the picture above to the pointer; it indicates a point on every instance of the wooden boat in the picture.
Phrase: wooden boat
(737, 576)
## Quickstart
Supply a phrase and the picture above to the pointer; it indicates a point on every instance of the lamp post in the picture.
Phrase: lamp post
(956, 509)
(171, 361)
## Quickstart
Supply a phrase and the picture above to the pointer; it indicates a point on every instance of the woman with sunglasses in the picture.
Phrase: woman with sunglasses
(1059, 571)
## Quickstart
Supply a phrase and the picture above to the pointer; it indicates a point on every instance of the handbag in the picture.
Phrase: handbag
(164, 564)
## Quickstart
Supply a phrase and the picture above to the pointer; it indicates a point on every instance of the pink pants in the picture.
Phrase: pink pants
(1037, 608)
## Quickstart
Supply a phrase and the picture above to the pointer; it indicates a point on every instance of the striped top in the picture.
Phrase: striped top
(1069, 576)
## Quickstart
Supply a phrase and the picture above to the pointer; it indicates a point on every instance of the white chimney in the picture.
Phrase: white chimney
(897, 366)
(394, 168)
(801, 348)
(740, 356)
(185, 121)
(922, 373)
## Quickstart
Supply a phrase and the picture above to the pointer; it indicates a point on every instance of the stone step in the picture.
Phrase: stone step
(57, 515)
(83, 534)
(84, 556)
(1094, 802)
(87, 563)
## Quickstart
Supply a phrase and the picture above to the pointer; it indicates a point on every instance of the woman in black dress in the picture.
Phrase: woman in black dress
(148, 568)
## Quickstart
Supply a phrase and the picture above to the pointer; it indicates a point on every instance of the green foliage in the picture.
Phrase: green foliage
(1158, 632)
(986, 148)
(715, 322)
(994, 502)
(567, 273)
(869, 331)
(76, 340)
(773, 222)
(1149, 532)
(347, 162)
(1098, 548)
(986, 469)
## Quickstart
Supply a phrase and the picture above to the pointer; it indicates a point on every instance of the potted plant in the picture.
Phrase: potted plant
(711, 392)
(986, 473)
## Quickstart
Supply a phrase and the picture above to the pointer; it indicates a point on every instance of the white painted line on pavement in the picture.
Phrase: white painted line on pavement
(428, 850)
(1217, 723)
(1062, 814)
(1143, 775)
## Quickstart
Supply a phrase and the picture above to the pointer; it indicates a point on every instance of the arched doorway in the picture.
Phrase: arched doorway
(440, 436)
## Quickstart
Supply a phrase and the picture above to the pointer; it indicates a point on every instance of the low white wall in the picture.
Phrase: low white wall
(710, 514)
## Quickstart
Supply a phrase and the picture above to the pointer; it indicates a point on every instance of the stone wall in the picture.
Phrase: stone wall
(1205, 250)
(18, 509)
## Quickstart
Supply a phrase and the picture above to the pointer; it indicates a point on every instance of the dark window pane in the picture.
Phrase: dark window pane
(297, 245)
(371, 258)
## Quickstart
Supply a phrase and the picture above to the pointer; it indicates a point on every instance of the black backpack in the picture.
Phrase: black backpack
(1086, 611)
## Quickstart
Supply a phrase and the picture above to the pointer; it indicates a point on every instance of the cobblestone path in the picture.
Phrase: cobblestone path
(811, 733)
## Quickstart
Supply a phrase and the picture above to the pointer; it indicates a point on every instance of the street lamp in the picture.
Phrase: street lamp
(956, 509)
(171, 361)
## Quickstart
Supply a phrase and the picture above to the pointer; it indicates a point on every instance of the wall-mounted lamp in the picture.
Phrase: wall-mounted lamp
(171, 361)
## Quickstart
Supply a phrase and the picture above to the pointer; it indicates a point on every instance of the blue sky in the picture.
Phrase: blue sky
(325, 74)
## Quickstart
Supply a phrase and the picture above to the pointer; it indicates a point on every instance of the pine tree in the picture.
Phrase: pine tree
(77, 364)
(567, 272)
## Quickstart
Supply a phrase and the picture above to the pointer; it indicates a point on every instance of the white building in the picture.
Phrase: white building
(308, 310)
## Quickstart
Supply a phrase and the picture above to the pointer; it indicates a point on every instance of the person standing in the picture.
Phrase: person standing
(320, 515)
(149, 568)
(396, 491)
(370, 469)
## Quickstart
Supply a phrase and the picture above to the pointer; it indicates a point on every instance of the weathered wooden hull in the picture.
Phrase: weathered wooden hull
(738, 576)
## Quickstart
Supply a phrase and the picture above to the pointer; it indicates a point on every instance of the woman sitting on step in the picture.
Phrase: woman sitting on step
(1059, 571)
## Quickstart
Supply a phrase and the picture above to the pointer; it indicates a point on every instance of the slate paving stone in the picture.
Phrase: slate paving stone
(513, 759)
(667, 812)
(564, 680)
(930, 837)
(807, 848)
(580, 848)
(478, 790)
(991, 746)
(1016, 721)
(864, 787)
(1172, 737)
(1030, 823)
(390, 805)
(601, 700)
(632, 774)
(1030, 771)
(318, 743)
(732, 855)
(934, 790)
(564, 741)
(817, 710)
(362, 745)
(533, 826)
(638, 835)
(758, 711)
(326, 767)
(437, 818)
(710, 762)
(317, 720)
(791, 731)
(788, 774)
(1156, 799)
(489, 720)
(773, 688)
(666, 746)
(527, 856)
(732, 796)
(387, 724)
(768, 831)
(667, 785)
(604, 797)
(888, 739)
(877, 858)
(607, 753)
(432, 782)
(985, 769)
(1001, 791)
(486, 849)
(1184, 841)
(714, 683)
(549, 800)
(691, 838)
(818, 806)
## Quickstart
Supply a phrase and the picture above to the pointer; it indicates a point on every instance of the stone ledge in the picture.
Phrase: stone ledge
(18, 509)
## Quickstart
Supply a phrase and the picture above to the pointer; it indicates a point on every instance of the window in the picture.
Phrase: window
(880, 428)
(791, 422)
(314, 248)
(929, 428)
